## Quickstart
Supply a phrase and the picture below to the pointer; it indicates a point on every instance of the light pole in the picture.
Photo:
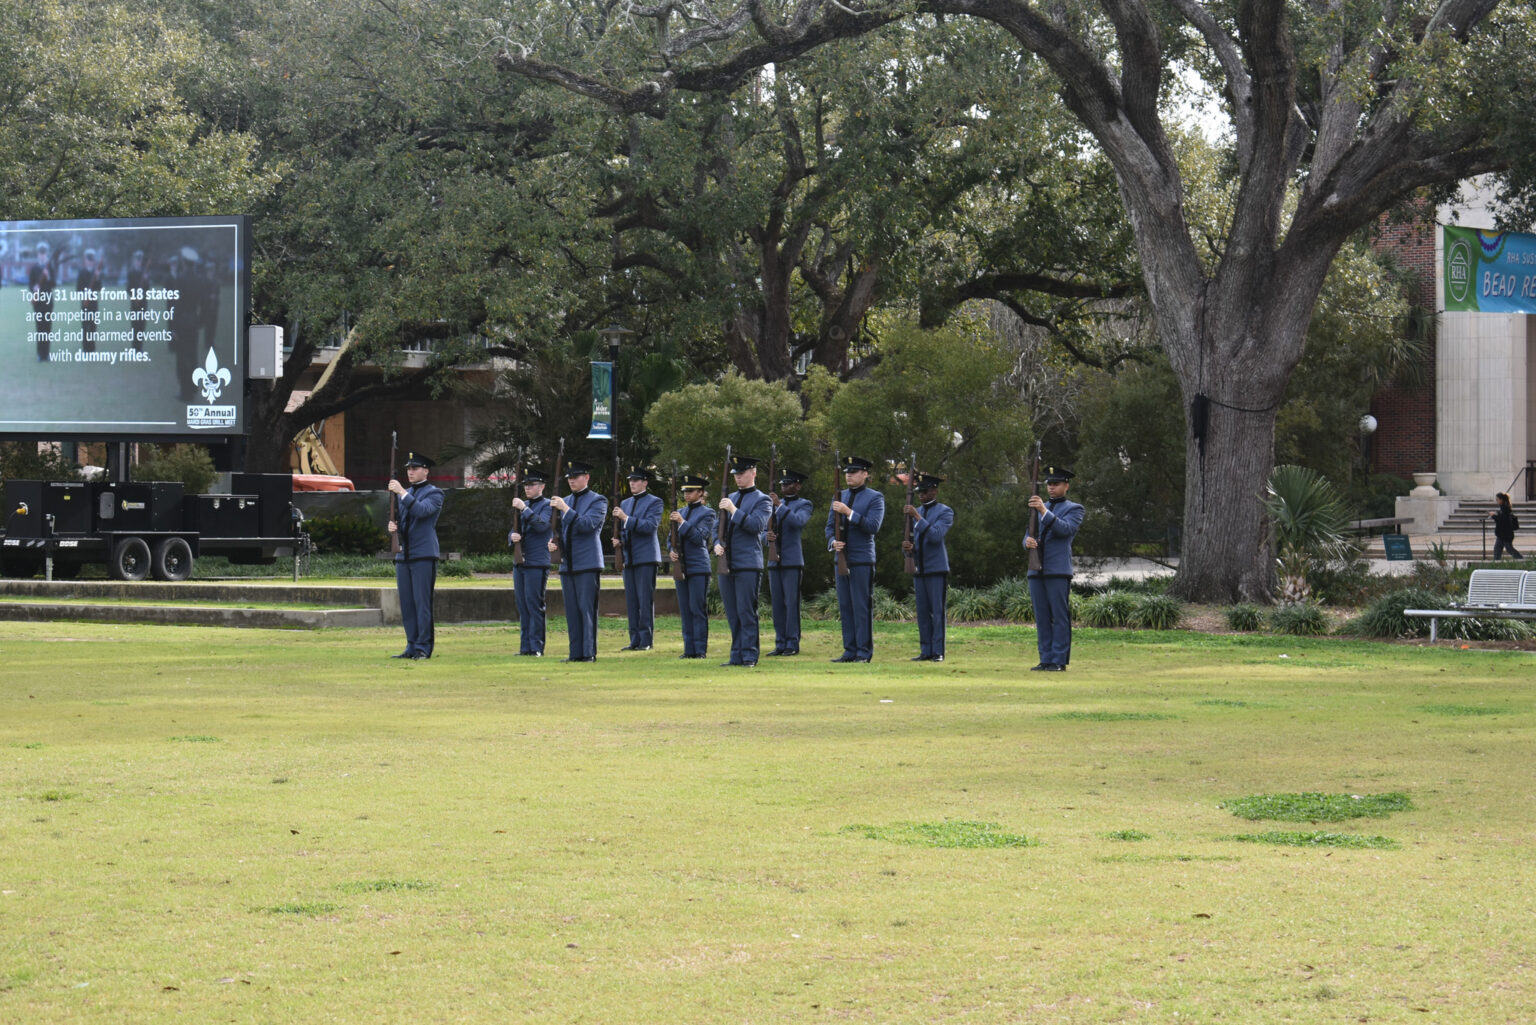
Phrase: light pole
(613, 334)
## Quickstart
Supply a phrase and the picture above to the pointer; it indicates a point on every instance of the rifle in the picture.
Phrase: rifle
(554, 517)
(724, 567)
(910, 565)
(517, 516)
(773, 516)
(1034, 515)
(837, 519)
(678, 572)
(394, 500)
(618, 532)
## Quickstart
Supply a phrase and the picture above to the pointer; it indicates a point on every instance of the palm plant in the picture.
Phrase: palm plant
(1310, 523)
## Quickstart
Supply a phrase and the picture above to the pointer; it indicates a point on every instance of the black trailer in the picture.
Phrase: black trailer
(140, 529)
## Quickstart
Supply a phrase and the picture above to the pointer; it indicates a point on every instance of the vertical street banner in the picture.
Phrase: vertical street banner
(602, 401)
(1489, 271)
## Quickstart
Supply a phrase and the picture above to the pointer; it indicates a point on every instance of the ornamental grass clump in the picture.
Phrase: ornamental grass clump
(1011, 595)
(1112, 608)
(971, 605)
(1299, 619)
(1156, 612)
(1245, 618)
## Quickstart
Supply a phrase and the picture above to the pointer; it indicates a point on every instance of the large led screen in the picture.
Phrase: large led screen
(124, 329)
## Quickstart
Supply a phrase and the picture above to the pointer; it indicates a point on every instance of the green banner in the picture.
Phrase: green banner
(1489, 271)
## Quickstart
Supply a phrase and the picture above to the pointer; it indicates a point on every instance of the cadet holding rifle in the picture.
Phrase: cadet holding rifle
(638, 551)
(530, 573)
(693, 531)
(852, 523)
(929, 521)
(786, 561)
(582, 513)
(744, 517)
(413, 524)
(1050, 586)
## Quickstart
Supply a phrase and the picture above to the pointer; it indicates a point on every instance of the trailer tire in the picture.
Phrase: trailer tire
(130, 559)
(173, 559)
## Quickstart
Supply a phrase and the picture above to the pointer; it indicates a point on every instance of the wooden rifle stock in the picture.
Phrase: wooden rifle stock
(1034, 514)
(618, 528)
(678, 572)
(724, 528)
(394, 500)
(558, 554)
(773, 515)
(837, 519)
(910, 564)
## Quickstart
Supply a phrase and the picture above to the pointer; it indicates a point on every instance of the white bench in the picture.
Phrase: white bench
(1491, 594)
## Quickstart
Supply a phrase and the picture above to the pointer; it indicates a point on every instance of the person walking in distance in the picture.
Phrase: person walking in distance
(786, 525)
(530, 576)
(418, 507)
(640, 515)
(1504, 526)
(1050, 586)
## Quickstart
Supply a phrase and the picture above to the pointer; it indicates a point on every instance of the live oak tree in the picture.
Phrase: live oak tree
(881, 169)
(1338, 111)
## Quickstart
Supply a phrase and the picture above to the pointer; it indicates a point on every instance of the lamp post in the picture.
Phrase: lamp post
(1367, 428)
(613, 334)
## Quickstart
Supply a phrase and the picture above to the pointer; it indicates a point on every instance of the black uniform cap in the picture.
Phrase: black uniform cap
(576, 469)
(1057, 474)
(532, 476)
(641, 473)
(856, 463)
(741, 464)
(693, 481)
(792, 477)
(417, 459)
(927, 480)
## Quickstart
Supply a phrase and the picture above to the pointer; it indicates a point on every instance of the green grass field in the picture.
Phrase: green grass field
(208, 825)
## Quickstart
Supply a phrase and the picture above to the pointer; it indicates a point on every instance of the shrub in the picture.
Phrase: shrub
(1156, 612)
(1112, 608)
(970, 605)
(1300, 618)
(1011, 596)
(887, 608)
(821, 607)
(1384, 617)
(190, 464)
(346, 535)
(455, 568)
(1244, 617)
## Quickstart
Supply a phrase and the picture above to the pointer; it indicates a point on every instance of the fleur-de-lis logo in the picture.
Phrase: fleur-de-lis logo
(211, 377)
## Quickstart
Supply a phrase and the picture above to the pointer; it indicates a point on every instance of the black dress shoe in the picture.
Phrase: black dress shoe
(1055, 667)
(420, 657)
(1042, 667)
(747, 665)
(724, 665)
(935, 658)
(578, 660)
(845, 658)
(403, 654)
(773, 653)
(790, 651)
(919, 658)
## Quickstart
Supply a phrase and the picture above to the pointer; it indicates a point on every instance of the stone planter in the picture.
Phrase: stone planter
(1424, 485)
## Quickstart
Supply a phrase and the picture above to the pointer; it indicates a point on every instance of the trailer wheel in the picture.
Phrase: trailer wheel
(130, 559)
(173, 559)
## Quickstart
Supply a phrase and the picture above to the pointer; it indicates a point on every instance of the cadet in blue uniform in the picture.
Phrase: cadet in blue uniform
(640, 515)
(582, 514)
(695, 526)
(530, 577)
(744, 517)
(1050, 586)
(860, 509)
(785, 526)
(930, 583)
(417, 509)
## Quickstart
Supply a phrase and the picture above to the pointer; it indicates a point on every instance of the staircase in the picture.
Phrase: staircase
(1470, 515)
